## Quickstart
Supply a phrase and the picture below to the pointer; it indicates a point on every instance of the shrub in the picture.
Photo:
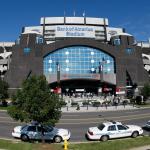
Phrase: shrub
(74, 104)
(125, 102)
(96, 104)
(138, 100)
(78, 107)
(106, 103)
(63, 103)
(85, 103)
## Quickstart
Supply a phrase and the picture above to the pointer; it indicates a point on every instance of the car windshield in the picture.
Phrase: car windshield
(148, 122)
(126, 126)
(23, 127)
(101, 126)
(49, 128)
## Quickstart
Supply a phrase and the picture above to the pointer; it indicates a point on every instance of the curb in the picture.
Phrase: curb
(108, 109)
(10, 139)
(75, 142)
(3, 110)
(73, 110)
(98, 110)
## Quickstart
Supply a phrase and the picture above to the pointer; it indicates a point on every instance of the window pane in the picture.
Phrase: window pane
(120, 127)
(112, 128)
(32, 128)
(81, 61)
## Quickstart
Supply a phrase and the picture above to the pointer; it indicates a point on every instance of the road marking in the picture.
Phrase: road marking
(105, 119)
(91, 120)
(70, 115)
(131, 112)
(98, 118)
(5, 117)
(11, 122)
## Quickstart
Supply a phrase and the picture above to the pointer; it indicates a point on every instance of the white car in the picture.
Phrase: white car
(37, 132)
(112, 129)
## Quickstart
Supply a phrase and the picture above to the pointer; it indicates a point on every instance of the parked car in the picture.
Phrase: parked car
(37, 132)
(113, 129)
(147, 126)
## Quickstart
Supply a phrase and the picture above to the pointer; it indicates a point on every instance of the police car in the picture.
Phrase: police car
(113, 129)
(35, 132)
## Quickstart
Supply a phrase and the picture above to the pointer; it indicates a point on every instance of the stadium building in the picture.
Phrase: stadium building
(80, 54)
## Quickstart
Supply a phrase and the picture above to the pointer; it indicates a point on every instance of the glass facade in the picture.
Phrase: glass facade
(27, 50)
(78, 60)
(117, 42)
(129, 51)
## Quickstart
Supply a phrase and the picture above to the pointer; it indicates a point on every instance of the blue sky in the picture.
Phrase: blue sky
(134, 15)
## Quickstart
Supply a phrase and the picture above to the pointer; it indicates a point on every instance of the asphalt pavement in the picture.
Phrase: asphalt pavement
(79, 121)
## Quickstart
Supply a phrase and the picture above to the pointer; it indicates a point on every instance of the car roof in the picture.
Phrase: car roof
(108, 123)
(38, 125)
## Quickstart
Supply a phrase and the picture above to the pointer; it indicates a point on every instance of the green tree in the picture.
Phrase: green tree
(146, 90)
(3, 92)
(35, 102)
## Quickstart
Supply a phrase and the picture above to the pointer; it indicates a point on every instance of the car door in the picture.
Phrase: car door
(32, 132)
(50, 133)
(123, 131)
(112, 131)
(40, 132)
(45, 132)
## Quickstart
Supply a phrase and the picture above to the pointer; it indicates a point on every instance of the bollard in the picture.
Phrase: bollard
(106, 105)
(97, 107)
(65, 145)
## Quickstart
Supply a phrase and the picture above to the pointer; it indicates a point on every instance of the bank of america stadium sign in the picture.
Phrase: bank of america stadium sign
(75, 31)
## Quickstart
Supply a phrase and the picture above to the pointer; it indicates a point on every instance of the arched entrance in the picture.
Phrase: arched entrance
(80, 67)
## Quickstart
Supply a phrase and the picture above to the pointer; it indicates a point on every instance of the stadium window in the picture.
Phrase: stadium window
(117, 42)
(39, 40)
(27, 50)
(129, 51)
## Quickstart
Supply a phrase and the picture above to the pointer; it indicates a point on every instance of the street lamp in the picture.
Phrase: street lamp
(101, 68)
(58, 74)
(58, 78)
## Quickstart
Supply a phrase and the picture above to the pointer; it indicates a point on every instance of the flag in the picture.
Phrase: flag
(83, 14)
(74, 13)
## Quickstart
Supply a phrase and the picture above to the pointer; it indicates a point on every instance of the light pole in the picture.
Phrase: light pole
(58, 73)
(58, 77)
(101, 65)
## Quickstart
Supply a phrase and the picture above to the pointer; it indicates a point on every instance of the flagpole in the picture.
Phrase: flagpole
(84, 17)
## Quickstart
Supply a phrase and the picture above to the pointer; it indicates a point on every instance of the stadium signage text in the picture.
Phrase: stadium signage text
(75, 31)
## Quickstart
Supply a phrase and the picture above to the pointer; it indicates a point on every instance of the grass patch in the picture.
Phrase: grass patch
(4, 108)
(12, 145)
(122, 144)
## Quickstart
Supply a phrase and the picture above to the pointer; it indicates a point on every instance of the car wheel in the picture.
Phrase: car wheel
(57, 139)
(24, 138)
(104, 138)
(87, 137)
(135, 134)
